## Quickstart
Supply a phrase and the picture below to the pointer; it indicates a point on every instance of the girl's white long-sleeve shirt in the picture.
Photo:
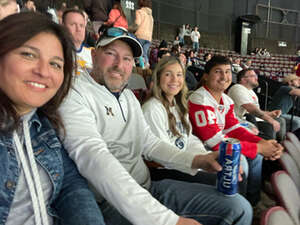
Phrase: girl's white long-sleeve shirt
(157, 118)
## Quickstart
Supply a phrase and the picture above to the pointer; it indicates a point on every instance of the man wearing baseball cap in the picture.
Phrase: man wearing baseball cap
(107, 137)
(283, 100)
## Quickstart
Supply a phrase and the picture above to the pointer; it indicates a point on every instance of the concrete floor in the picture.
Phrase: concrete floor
(265, 203)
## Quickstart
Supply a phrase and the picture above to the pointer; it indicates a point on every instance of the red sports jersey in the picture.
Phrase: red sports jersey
(212, 122)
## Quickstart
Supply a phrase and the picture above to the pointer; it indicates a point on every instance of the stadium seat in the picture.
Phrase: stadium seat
(276, 215)
(287, 194)
(290, 166)
(294, 139)
(293, 151)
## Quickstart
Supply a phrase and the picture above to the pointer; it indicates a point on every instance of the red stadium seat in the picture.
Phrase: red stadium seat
(287, 193)
(276, 215)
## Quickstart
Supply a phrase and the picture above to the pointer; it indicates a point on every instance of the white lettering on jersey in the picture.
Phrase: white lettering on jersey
(201, 120)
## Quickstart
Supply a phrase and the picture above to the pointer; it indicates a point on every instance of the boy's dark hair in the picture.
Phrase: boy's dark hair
(216, 60)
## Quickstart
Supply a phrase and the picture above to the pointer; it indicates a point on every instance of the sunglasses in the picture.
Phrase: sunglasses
(114, 32)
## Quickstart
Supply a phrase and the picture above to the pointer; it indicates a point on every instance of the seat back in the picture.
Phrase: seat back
(294, 139)
(287, 193)
(276, 215)
(290, 166)
(293, 151)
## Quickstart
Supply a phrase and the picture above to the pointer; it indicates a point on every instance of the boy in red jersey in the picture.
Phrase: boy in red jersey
(212, 116)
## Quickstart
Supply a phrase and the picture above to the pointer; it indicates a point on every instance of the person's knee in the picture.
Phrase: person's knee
(241, 209)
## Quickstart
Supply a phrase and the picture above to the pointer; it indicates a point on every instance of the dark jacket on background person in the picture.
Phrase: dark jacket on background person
(98, 10)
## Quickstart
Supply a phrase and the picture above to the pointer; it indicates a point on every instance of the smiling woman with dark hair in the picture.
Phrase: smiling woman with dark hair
(39, 184)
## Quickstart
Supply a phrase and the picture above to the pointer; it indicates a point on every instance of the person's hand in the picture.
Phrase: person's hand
(207, 162)
(270, 149)
(187, 221)
(241, 171)
(275, 113)
(279, 151)
(276, 125)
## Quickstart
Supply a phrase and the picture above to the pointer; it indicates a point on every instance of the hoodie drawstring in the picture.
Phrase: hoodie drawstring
(33, 181)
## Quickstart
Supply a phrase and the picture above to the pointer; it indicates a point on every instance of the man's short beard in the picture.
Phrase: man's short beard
(254, 85)
(99, 77)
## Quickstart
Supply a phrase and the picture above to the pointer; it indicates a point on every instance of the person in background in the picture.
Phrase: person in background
(116, 17)
(181, 34)
(163, 45)
(98, 11)
(246, 101)
(265, 53)
(247, 64)
(254, 52)
(259, 52)
(207, 57)
(90, 36)
(297, 69)
(40, 183)
(188, 30)
(144, 21)
(175, 50)
(153, 59)
(283, 100)
(8, 7)
(162, 53)
(195, 36)
(190, 79)
(29, 6)
(236, 65)
(74, 21)
(177, 41)
(297, 63)
(190, 58)
(60, 11)
(50, 10)
(108, 138)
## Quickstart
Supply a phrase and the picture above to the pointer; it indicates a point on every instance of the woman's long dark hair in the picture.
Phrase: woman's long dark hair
(17, 29)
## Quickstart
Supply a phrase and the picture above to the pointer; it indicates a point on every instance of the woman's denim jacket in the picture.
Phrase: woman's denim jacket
(71, 201)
